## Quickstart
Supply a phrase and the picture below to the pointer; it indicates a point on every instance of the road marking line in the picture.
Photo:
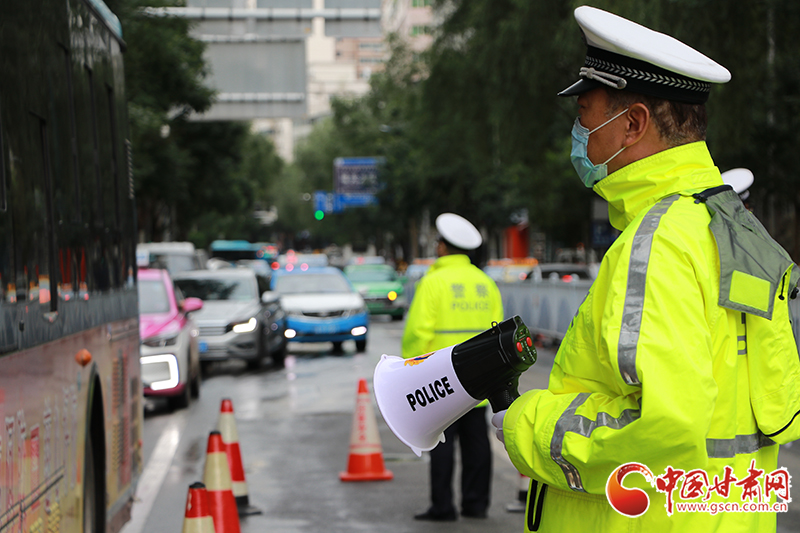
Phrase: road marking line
(152, 478)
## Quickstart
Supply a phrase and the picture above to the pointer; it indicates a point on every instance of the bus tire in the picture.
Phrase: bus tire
(94, 488)
(89, 491)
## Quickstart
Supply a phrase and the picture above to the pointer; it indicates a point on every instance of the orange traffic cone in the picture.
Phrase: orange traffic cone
(366, 456)
(197, 518)
(230, 436)
(518, 506)
(217, 478)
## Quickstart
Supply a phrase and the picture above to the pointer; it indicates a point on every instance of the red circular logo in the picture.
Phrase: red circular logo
(628, 502)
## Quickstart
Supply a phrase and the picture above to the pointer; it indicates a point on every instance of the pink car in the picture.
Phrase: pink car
(169, 351)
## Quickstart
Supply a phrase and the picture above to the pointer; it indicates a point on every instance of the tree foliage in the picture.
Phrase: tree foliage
(473, 125)
(198, 180)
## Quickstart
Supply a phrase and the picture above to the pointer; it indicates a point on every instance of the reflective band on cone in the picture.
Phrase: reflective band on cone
(366, 456)
(522, 496)
(197, 517)
(230, 436)
(217, 478)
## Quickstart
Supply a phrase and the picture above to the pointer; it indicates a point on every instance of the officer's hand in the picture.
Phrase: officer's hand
(497, 422)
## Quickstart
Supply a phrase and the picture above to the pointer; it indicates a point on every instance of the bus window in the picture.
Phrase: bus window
(3, 203)
(73, 137)
(98, 185)
(115, 173)
(8, 292)
(47, 280)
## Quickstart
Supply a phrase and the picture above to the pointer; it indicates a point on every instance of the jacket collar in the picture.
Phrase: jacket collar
(685, 169)
(449, 260)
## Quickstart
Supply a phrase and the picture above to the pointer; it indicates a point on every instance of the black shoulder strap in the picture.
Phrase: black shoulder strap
(708, 193)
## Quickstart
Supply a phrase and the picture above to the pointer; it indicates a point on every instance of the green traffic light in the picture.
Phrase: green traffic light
(319, 214)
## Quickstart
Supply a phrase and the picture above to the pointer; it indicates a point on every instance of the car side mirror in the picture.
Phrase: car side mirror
(269, 297)
(191, 304)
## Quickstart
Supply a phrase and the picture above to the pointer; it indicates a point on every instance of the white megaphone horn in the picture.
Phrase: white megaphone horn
(421, 397)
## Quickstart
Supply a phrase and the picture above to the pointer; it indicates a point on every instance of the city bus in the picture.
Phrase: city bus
(71, 408)
(238, 250)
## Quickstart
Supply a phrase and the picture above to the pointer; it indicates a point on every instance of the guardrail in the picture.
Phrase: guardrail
(548, 308)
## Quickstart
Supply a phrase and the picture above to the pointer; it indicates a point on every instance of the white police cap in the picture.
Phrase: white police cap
(458, 231)
(740, 179)
(625, 55)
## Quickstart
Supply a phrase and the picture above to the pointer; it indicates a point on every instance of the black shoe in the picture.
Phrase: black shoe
(436, 517)
(474, 514)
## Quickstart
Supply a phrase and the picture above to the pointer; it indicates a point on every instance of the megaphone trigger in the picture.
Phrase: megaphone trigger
(421, 397)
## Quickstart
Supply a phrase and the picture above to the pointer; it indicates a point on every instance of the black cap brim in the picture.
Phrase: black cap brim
(579, 87)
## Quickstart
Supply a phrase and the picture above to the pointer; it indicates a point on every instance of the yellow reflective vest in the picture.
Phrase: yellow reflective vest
(453, 302)
(653, 370)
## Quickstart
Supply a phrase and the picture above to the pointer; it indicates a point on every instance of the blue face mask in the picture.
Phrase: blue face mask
(588, 171)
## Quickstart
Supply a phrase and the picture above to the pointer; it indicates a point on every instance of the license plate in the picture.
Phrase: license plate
(325, 329)
(203, 346)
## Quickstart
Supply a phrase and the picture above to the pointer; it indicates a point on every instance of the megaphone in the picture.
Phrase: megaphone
(421, 397)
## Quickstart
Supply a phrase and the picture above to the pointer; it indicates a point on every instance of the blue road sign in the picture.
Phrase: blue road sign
(332, 202)
(357, 175)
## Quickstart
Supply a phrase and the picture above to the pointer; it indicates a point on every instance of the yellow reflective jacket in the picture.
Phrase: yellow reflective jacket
(653, 370)
(453, 302)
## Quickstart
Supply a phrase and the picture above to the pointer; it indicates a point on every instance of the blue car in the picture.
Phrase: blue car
(321, 306)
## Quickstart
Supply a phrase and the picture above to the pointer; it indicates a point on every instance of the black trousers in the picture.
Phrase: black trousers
(472, 432)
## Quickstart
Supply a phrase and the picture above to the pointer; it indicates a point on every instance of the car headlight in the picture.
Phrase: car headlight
(159, 341)
(353, 312)
(172, 365)
(245, 327)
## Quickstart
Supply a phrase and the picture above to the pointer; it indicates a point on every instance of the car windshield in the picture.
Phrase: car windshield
(153, 297)
(360, 275)
(218, 289)
(311, 283)
(175, 263)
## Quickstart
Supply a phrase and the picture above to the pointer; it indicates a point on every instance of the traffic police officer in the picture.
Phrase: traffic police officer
(682, 357)
(454, 302)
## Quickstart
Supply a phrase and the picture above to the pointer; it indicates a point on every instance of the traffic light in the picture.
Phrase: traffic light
(319, 214)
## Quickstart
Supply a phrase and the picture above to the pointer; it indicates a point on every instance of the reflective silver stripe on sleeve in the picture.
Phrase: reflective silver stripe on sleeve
(448, 331)
(741, 444)
(569, 421)
(634, 295)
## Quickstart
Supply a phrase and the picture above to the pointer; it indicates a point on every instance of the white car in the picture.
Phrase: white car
(173, 256)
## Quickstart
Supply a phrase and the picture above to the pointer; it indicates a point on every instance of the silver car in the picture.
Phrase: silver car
(240, 319)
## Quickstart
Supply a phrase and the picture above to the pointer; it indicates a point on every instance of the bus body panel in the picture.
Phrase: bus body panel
(69, 335)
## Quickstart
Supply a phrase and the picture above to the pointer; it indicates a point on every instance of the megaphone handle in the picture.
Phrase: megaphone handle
(503, 398)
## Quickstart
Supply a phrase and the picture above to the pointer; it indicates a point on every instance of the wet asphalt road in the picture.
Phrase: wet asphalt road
(294, 433)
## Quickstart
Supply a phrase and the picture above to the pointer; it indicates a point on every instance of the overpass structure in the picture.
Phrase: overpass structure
(257, 52)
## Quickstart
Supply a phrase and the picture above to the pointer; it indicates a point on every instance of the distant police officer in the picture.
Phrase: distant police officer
(453, 302)
(740, 179)
(682, 357)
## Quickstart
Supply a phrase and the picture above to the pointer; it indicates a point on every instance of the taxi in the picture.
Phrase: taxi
(381, 288)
